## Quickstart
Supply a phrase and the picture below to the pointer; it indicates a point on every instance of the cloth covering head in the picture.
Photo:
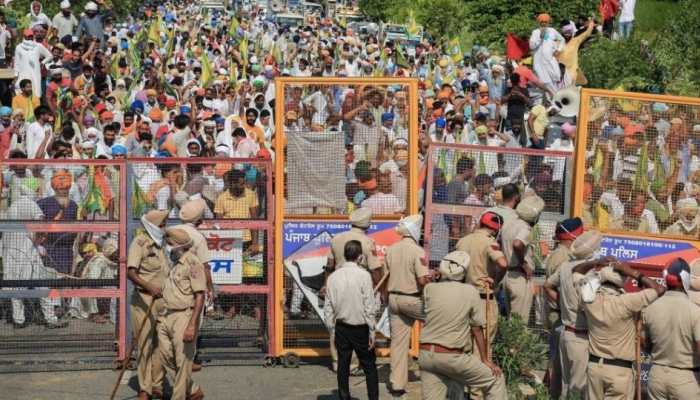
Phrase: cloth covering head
(453, 266)
(152, 221)
(530, 208)
(569, 229)
(544, 18)
(61, 180)
(612, 277)
(586, 245)
(177, 237)
(677, 274)
(410, 226)
(192, 211)
(361, 218)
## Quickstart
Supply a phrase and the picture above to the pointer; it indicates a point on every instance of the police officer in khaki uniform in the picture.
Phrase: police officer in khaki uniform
(178, 325)
(611, 331)
(453, 315)
(360, 221)
(694, 289)
(147, 270)
(562, 287)
(488, 264)
(565, 233)
(408, 273)
(672, 331)
(517, 247)
(192, 214)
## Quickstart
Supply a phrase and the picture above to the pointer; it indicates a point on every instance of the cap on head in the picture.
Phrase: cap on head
(586, 245)
(530, 208)
(177, 237)
(569, 229)
(410, 226)
(491, 220)
(453, 266)
(192, 211)
(677, 274)
(156, 217)
(361, 217)
(609, 275)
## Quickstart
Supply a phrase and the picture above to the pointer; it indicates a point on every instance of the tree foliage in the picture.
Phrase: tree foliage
(51, 8)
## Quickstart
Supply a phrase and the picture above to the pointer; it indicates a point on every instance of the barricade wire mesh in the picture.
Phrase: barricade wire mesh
(346, 147)
(642, 165)
(464, 181)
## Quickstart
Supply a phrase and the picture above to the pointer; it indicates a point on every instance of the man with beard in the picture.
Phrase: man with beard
(687, 224)
(92, 23)
(56, 208)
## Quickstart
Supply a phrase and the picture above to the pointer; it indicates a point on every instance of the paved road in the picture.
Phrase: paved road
(313, 381)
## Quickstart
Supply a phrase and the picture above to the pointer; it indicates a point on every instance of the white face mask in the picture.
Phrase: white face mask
(155, 232)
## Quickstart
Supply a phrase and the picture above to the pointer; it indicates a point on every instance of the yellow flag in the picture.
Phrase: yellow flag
(207, 74)
(412, 24)
(233, 28)
(154, 32)
(455, 50)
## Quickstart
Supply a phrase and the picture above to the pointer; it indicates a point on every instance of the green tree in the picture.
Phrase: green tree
(676, 49)
(609, 64)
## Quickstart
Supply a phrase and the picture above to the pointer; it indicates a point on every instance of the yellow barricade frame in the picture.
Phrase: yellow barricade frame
(412, 189)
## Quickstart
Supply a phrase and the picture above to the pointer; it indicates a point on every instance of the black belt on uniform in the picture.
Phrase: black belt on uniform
(405, 294)
(615, 361)
(486, 296)
(694, 369)
(576, 331)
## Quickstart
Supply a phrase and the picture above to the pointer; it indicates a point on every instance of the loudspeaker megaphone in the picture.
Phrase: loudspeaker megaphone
(568, 101)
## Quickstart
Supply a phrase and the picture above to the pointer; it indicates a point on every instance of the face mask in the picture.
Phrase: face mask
(172, 254)
(6, 123)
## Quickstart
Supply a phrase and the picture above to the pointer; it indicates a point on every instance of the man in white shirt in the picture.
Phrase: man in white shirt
(65, 22)
(350, 310)
(39, 133)
(627, 17)
(243, 146)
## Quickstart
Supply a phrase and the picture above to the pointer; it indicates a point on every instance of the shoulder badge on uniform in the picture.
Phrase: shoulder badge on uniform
(194, 273)
(424, 261)
(495, 246)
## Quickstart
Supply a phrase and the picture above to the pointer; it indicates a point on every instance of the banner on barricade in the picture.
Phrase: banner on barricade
(226, 251)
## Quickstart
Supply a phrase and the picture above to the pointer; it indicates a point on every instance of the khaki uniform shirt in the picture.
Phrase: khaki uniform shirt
(611, 323)
(565, 280)
(672, 324)
(406, 262)
(559, 256)
(694, 296)
(185, 279)
(200, 248)
(451, 309)
(507, 213)
(513, 230)
(368, 248)
(483, 251)
(148, 260)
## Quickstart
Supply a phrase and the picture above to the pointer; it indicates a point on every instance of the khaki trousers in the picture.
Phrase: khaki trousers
(609, 382)
(492, 324)
(666, 383)
(518, 294)
(149, 366)
(573, 355)
(177, 355)
(440, 373)
(405, 310)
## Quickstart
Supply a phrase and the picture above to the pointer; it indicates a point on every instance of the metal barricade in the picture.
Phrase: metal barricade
(238, 221)
(62, 292)
(463, 181)
(340, 144)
